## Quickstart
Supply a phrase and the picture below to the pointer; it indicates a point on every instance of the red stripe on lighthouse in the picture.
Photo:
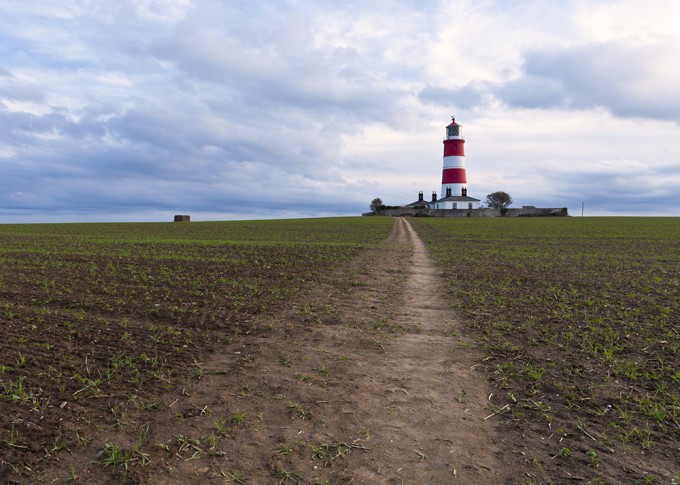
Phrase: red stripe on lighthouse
(454, 176)
(454, 148)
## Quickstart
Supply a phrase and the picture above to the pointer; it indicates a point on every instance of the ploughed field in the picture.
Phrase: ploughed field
(577, 319)
(99, 319)
(580, 322)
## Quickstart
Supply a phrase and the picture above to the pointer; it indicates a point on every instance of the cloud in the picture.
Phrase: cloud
(623, 186)
(465, 98)
(636, 81)
(279, 108)
(14, 90)
(277, 66)
(628, 81)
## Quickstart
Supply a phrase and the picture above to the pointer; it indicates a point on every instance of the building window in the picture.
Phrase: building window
(469, 205)
(455, 205)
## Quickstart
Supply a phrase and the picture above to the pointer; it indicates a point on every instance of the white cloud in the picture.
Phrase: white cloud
(626, 80)
(640, 21)
(285, 107)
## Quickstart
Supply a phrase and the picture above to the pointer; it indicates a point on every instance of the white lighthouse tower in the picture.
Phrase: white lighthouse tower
(454, 180)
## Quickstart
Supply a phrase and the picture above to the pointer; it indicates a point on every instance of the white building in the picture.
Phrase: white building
(455, 201)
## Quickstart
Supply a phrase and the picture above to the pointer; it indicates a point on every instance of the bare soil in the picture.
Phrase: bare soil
(369, 380)
(125, 371)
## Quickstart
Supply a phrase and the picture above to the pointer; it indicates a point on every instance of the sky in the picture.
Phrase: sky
(136, 110)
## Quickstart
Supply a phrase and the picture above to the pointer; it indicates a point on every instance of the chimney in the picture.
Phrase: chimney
(420, 196)
(448, 191)
(434, 196)
(463, 191)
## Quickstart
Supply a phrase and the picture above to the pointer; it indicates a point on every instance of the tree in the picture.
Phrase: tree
(376, 204)
(498, 200)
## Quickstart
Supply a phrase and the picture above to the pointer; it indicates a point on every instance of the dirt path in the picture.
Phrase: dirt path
(425, 404)
(368, 381)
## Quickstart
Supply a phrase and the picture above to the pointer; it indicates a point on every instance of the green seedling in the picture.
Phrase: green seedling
(298, 409)
(461, 396)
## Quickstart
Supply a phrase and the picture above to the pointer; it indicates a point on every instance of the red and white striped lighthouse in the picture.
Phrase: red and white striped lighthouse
(454, 181)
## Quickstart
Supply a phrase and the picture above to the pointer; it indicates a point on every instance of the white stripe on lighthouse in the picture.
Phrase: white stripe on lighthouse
(454, 162)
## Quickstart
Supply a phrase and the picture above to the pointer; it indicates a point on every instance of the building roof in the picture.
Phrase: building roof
(418, 203)
(458, 198)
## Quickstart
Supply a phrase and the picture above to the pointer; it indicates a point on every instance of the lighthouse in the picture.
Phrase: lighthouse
(454, 181)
